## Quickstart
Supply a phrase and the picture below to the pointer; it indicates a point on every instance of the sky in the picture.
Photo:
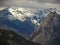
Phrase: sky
(31, 3)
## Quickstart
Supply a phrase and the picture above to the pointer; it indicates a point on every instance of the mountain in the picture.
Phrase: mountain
(22, 20)
(11, 38)
(9, 19)
(48, 33)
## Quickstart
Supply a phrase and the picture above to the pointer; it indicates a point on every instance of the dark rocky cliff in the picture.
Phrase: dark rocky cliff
(49, 31)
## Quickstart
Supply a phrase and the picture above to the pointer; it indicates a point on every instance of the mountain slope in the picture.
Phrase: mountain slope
(11, 38)
(49, 30)
(8, 20)
(23, 20)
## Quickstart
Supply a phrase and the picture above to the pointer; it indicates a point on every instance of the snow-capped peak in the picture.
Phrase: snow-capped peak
(20, 13)
(35, 15)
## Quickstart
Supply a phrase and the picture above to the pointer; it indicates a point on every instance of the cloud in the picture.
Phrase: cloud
(31, 3)
(14, 2)
(49, 1)
(55, 1)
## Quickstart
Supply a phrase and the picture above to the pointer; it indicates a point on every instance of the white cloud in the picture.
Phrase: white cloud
(31, 3)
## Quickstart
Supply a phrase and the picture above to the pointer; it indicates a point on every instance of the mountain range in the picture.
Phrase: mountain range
(23, 20)
(39, 26)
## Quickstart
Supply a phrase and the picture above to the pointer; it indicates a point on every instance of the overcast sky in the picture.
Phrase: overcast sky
(31, 3)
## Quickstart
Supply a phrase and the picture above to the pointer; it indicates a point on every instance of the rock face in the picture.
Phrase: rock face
(11, 38)
(48, 33)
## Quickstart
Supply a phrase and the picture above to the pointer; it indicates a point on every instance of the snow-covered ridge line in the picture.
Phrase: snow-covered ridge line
(20, 13)
(35, 15)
